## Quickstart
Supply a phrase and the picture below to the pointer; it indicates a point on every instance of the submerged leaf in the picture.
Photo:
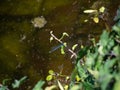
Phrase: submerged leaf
(96, 19)
(90, 11)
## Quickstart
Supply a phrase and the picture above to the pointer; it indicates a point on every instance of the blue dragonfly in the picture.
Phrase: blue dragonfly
(55, 48)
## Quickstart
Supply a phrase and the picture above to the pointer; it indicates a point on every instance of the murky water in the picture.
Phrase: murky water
(24, 49)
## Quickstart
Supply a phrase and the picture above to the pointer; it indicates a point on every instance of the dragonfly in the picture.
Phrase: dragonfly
(55, 48)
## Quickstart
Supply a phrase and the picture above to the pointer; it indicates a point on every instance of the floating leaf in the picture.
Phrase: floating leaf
(74, 46)
(96, 19)
(49, 77)
(90, 11)
(65, 34)
(51, 39)
(65, 44)
(102, 9)
(62, 50)
(39, 85)
(51, 72)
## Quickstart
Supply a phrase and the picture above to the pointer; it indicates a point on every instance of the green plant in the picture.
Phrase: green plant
(96, 13)
(100, 67)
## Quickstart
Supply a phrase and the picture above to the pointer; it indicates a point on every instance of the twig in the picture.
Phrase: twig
(71, 51)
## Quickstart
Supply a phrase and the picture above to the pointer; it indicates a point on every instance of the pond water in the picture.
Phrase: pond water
(24, 49)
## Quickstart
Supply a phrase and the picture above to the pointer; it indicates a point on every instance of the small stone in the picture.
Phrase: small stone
(39, 22)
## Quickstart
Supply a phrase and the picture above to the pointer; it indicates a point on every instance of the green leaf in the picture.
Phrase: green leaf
(116, 50)
(66, 87)
(96, 19)
(49, 77)
(64, 34)
(39, 85)
(81, 71)
(75, 87)
(117, 17)
(78, 78)
(5, 81)
(82, 52)
(62, 50)
(17, 83)
(117, 85)
(105, 81)
(3, 88)
(105, 75)
(74, 46)
(51, 39)
(88, 86)
(65, 44)
(94, 73)
(90, 59)
(102, 9)
(51, 72)
(104, 38)
(116, 28)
